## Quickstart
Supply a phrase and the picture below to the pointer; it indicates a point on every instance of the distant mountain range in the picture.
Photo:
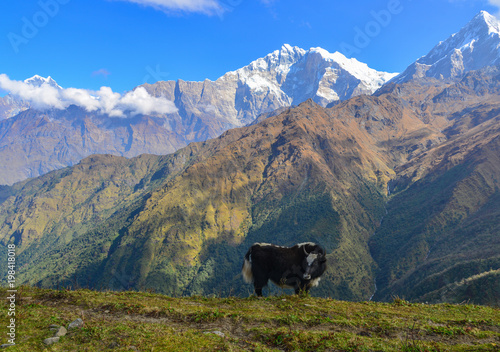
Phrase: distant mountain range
(401, 187)
(33, 142)
(285, 77)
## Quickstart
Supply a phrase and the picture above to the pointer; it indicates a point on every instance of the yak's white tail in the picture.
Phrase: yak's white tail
(247, 271)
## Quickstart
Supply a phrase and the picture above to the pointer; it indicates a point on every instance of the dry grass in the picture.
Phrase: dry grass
(151, 322)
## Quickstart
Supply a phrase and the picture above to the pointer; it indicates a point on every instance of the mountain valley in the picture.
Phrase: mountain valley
(398, 181)
(182, 222)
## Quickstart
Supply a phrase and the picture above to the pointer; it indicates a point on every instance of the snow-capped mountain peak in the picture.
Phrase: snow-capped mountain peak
(12, 104)
(360, 70)
(475, 46)
(278, 61)
(38, 81)
(291, 75)
(485, 20)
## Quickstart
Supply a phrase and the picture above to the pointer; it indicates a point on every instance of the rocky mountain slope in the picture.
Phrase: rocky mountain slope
(181, 223)
(285, 77)
(10, 106)
(475, 46)
(439, 239)
(33, 142)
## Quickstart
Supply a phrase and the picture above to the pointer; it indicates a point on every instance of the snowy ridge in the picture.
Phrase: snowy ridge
(292, 75)
(475, 46)
(287, 76)
(38, 81)
(358, 69)
(492, 23)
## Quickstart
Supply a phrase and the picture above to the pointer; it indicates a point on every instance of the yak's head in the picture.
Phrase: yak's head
(314, 261)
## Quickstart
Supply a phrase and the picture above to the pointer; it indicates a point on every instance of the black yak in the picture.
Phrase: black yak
(298, 267)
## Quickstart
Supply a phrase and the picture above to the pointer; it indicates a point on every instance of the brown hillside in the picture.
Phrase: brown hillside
(181, 223)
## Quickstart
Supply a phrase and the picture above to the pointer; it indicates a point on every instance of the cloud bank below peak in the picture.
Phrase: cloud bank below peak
(46, 96)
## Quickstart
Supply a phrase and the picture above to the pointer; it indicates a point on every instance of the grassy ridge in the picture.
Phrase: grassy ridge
(153, 322)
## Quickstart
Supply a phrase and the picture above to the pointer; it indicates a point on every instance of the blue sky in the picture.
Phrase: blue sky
(124, 43)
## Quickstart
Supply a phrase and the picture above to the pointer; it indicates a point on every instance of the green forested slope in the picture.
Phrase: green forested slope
(441, 237)
(181, 223)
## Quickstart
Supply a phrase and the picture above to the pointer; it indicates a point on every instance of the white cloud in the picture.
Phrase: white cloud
(101, 72)
(208, 7)
(79, 97)
(104, 100)
(495, 3)
(42, 97)
(139, 101)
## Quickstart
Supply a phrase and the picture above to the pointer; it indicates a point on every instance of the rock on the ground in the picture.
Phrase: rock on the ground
(5, 345)
(61, 331)
(78, 323)
(215, 332)
(51, 340)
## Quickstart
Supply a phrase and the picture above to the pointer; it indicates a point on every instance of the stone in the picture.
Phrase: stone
(61, 331)
(78, 323)
(51, 340)
(215, 332)
(5, 345)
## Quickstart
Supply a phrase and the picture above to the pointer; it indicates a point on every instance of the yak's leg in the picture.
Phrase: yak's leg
(258, 284)
(301, 289)
(296, 284)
